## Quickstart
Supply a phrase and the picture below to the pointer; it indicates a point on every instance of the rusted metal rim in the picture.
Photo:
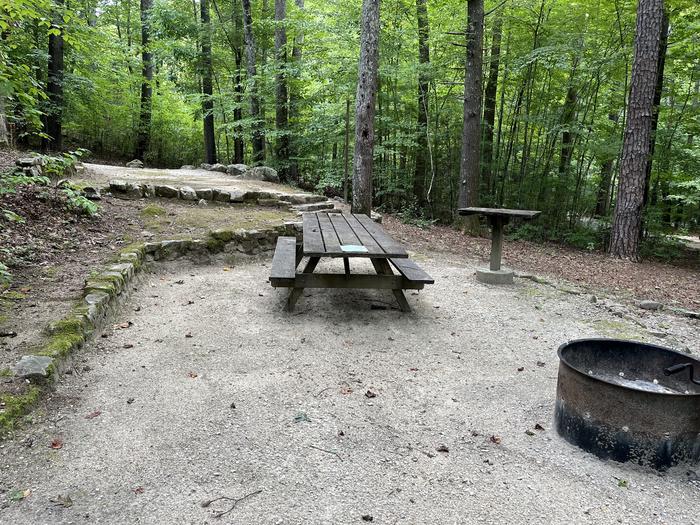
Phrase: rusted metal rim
(571, 346)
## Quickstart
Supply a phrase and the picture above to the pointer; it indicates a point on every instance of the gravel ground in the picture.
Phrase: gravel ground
(339, 413)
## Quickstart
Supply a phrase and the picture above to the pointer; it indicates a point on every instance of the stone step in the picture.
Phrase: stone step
(318, 206)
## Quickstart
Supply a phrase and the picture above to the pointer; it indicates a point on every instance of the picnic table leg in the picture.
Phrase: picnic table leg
(382, 267)
(346, 265)
(497, 224)
(295, 293)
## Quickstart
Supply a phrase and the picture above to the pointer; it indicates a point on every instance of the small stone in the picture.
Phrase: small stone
(167, 191)
(650, 305)
(442, 448)
(204, 166)
(236, 169)
(202, 203)
(34, 367)
(218, 167)
(187, 167)
(136, 163)
(367, 517)
(188, 194)
(91, 193)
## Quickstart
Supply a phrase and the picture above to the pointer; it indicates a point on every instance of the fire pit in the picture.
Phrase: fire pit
(629, 401)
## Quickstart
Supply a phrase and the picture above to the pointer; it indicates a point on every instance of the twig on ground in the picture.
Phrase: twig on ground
(327, 451)
(322, 391)
(236, 501)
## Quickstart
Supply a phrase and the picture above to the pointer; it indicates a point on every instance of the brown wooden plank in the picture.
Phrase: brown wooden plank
(330, 238)
(365, 238)
(391, 247)
(345, 234)
(411, 271)
(355, 280)
(284, 263)
(313, 240)
(502, 212)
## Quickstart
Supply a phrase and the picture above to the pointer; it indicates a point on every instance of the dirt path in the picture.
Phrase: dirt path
(215, 391)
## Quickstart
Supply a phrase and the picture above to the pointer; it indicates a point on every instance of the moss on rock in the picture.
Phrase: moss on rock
(14, 406)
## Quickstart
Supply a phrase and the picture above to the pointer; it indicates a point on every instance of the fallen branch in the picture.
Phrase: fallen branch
(236, 501)
(327, 451)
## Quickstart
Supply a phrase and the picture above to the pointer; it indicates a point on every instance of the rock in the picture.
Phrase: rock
(91, 193)
(26, 162)
(118, 186)
(236, 169)
(206, 193)
(96, 298)
(202, 203)
(188, 194)
(218, 167)
(167, 191)
(302, 198)
(134, 191)
(221, 196)
(187, 167)
(315, 207)
(136, 163)
(34, 367)
(204, 166)
(263, 173)
(649, 305)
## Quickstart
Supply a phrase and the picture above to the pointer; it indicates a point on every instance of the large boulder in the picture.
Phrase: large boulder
(218, 167)
(261, 173)
(205, 166)
(236, 169)
(188, 194)
(136, 163)
(167, 191)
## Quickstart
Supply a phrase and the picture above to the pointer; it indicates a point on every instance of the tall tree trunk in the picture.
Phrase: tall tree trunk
(207, 85)
(144, 132)
(281, 96)
(294, 98)
(421, 171)
(238, 143)
(563, 185)
(658, 90)
(367, 81)
(4, 135)
(471, 132)
(258, 133)
(627, 220)
(487, 170)
(54, 85)
(346, 150)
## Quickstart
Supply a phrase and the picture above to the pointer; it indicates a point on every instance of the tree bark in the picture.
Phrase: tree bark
(4, 136)
(627, 220)
(471, 132)
(238, 143)
(207, 85)
(144, 132)
(487, 169)
(658, 91)
(421, 170)
(54, 85)
(258, 132)
(346, 150)
(281, 93)
(294, 98)
(367, 81)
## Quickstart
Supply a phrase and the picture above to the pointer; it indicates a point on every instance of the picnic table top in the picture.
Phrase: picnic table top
(348, 235)
(499, 212)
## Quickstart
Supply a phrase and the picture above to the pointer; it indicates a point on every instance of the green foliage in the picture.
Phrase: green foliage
(5, 276)
(10, 181)
(63, 164)
(77, 203)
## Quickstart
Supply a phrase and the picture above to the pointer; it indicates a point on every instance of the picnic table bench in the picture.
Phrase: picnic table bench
(346, 236)
(498, 218)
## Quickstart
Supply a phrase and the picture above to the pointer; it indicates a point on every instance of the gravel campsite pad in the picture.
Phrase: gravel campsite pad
(346, 411)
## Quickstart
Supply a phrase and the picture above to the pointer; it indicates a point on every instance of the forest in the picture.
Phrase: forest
(275, 82)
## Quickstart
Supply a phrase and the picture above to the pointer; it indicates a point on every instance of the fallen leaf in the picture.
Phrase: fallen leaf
(62, 501)
(138, 490)
(226, 269)
(128, 345)
(538, 426)
(130, 400)
(181, 281)
(442, 448)
(94, 414)
(370, 394)
(302, 417)
(345, 390)
(57, 443)
(540, 363)
(495, 439)
(19, 495)
(413, 370)
(521, 368)
(529, 432)
(188, 334)
(192, 374)
(121, 326)
(367, 517)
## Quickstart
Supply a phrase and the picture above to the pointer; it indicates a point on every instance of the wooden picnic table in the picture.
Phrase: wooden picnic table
(346, 236)
(498, 218)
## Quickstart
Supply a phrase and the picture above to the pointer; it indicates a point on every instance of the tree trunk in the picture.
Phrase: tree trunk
(563, 185)
(207, 85)
(4, 136)
(294, 98)
(54, 84)
(421, 171)
(281, 96)
(487, 170)
(346, 150)
(238, 143)
(627, 220)
(471, 132)
(658, 90)
(367, 81)
(258, 133)
(144, 132)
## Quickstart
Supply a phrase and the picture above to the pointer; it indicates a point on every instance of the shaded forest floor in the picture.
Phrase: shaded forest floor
(667, 283)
